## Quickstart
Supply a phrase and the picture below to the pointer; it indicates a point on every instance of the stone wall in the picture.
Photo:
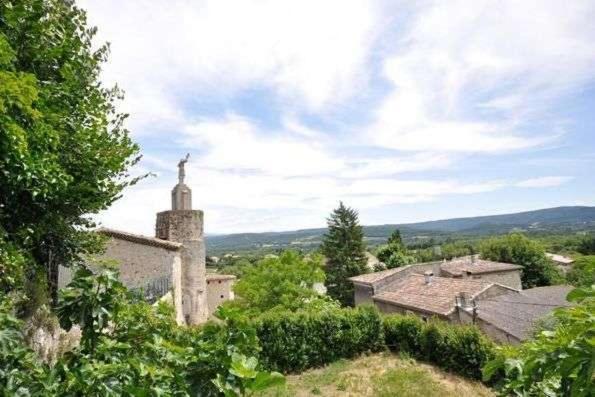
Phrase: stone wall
(140, 263)
(219, 290)
(363, 294)
(496, 334)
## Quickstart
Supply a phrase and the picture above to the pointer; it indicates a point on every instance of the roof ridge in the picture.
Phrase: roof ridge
(139, 238)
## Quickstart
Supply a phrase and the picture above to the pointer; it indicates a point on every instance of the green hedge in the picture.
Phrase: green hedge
(293, 342)
(461, 349)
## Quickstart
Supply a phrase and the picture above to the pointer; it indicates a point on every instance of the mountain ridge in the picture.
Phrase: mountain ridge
(564, 218)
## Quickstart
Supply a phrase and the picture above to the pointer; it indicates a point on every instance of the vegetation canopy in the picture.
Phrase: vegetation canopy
(516, 248)
(64, 149)
(280, 283)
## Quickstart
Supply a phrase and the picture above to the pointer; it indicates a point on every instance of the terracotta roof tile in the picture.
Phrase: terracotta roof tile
(457, 266)
(437, 297)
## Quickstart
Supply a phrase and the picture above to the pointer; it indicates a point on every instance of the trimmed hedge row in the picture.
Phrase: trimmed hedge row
(457, 348)
(293, 342)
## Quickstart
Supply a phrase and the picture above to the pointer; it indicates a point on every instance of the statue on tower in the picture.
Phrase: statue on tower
(181, 195)
(181, 171)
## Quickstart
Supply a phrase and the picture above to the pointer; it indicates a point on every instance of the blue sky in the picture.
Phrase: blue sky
(407, 112)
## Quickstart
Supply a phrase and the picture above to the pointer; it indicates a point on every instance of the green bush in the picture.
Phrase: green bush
(403, 334)
(131, 348)
(293, 342)
(582, 272)
(460, 349)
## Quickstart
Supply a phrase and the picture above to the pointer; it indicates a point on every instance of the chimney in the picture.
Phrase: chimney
(473, 259)
(464, 301)
(466, 308)
(436, 269)
(428, 277)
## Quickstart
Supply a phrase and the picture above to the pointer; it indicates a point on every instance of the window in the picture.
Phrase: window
(222, 297)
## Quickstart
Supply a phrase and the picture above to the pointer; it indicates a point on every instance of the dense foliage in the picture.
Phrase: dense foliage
(394, 253)
(344, 248)
(292, 342)
(64, 149)
(279, 283)
(461, 349)
(586, 245)
(560, 362)
(515, 248)
(582, 272)
(130, 348)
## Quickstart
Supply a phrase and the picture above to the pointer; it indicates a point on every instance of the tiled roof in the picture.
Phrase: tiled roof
(139, 239)
(457, 266)
(371, 278)
(437, 297)
(517, 313)
(219, 277)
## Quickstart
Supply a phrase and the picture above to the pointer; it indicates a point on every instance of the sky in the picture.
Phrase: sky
(406, 111)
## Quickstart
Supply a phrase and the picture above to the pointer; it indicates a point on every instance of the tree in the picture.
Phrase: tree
(515, 248)
(395, 239)
(394, 253)
(586, 245)
(582, 273)
(64, 149)
(343, 246)
(278, 283)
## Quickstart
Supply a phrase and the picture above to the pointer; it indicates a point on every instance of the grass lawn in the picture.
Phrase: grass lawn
(381, 375)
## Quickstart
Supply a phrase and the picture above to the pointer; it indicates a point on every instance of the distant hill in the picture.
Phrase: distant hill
(545, 220)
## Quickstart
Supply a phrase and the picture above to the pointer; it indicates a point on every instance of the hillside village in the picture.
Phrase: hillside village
(372, 113)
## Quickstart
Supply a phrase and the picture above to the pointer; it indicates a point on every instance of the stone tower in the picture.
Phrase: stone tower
(184, 225)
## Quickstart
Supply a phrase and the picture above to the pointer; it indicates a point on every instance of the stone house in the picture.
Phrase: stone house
(173, 261)
(512, 317)
(429, 296)
(367, 285)
(463, 290)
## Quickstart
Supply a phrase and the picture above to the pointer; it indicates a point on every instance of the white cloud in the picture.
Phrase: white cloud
(459, 58)
(464, 77)
(242, 203)
(311, 53)
(545, 181)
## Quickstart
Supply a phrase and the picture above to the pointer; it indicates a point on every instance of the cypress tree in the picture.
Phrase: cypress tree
(344, 248)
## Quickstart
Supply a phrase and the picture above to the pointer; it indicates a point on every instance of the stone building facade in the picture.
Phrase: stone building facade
(172, 261)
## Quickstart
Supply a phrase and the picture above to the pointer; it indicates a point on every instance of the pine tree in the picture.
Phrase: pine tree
(395, 238)
(344, 249)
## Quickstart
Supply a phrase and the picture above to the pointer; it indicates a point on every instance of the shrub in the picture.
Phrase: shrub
(582, 272)
(293, 342)
(403, 334)
(456, 348)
